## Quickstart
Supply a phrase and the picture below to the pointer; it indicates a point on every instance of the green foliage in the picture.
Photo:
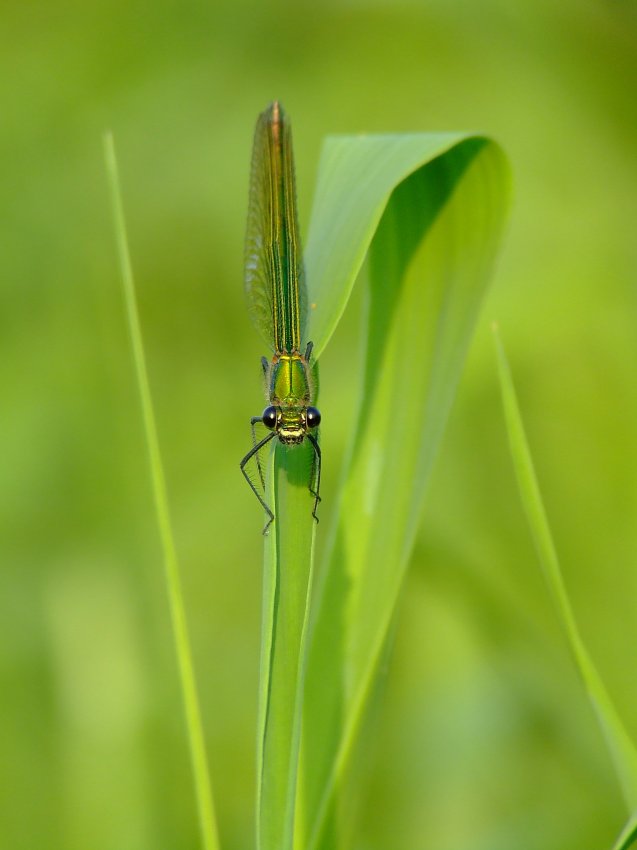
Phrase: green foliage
(207, 818)
(289, 552)
(429, 211)
(483, 740)
(628, 837)
(621, 746)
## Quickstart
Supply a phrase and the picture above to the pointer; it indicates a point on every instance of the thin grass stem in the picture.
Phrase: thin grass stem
(203, 788)
(620, 744)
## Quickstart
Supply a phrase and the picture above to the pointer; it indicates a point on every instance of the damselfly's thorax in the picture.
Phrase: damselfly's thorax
(289, 390)
(289, 381)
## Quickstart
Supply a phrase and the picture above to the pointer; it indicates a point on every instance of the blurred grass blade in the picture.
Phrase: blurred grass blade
(621, 747)
(628, 838)
(362, 173)
(178, 614)
(428, 211)
(286, 589)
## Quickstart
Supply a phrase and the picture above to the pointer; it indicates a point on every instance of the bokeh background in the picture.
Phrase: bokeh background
(485, 739)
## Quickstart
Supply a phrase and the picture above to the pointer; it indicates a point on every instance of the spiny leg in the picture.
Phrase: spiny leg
(316, 459)
(316, 474)
(265, 365)
(254, 451)
(314, 490)
(253, 422)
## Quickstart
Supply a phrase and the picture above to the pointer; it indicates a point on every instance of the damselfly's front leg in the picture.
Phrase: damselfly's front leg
(315, 477)
(253, 422)
(256, 448)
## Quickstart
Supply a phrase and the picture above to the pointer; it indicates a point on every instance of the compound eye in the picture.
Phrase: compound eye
(313, 417)
(269, 418)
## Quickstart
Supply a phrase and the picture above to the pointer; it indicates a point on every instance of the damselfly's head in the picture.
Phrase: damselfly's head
(291, 424)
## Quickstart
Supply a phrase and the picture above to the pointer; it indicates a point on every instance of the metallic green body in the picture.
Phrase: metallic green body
(289, 385)
(275, 290)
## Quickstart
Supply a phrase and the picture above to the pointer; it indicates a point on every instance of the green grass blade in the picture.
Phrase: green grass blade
(428, 210)
(286, 590)
(355, 180)
(621, 747)
(178, 614)
(628, 838)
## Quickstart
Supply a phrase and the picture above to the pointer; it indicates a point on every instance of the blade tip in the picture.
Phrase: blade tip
(275, 113)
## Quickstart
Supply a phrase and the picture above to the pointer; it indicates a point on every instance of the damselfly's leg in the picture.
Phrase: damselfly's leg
(255, 451)
(253, 422)
(315, 478)
(308, 351)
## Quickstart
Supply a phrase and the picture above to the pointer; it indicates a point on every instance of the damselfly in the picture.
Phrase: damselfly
(275, 288)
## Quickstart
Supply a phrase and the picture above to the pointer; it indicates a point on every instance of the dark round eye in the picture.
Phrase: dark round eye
(313, 417)
(269, 418)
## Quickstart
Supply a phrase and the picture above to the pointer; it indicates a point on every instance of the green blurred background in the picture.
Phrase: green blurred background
(485, 739)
